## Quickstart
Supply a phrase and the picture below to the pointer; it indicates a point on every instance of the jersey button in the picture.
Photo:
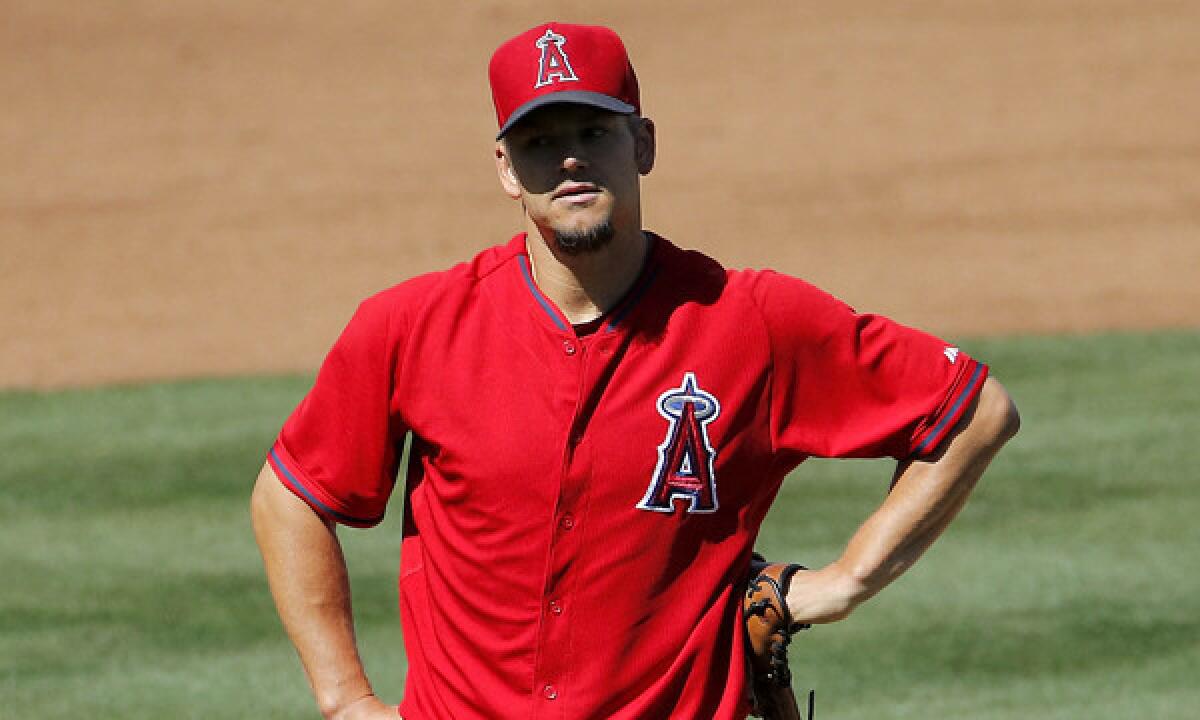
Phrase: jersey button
(549, 691)
(567, 522)
(555, 608)
(568, 347)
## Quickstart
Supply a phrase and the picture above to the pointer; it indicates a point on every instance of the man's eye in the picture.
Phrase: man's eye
(595, 132)
(537, 141)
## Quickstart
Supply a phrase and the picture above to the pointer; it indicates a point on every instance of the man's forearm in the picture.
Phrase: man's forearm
(926, 495)
(307, 574)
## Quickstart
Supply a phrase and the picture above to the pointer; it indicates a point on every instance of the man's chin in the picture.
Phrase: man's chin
(581, 241)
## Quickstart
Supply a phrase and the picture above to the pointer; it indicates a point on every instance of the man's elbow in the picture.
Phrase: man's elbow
(997, 412)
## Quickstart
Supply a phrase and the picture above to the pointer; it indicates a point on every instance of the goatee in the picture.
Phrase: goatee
(578, 242)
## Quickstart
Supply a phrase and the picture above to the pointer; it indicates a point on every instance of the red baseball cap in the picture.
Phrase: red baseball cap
(561, 63)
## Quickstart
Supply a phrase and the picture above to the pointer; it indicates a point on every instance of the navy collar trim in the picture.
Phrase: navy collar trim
(547, 306)
(623, 307)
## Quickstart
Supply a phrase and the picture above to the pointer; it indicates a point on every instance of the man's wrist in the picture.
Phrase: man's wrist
(344, 707)
(825, 595)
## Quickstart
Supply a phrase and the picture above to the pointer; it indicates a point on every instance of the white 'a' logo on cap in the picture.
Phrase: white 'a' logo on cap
(553, 65)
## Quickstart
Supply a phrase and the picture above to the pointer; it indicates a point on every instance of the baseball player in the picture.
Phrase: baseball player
(600, 421)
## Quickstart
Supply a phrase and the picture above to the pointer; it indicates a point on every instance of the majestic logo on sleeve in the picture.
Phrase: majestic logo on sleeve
(553, 66)
(685, 459)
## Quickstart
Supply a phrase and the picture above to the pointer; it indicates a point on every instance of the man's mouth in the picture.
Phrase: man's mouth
(577, 191)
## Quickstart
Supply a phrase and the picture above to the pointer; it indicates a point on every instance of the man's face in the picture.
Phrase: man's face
(576, 170)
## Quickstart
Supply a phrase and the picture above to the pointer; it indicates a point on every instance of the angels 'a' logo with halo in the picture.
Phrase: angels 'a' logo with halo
(686, 457)
(553, 65)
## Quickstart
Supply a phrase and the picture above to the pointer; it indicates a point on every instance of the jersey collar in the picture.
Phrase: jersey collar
(618, 314)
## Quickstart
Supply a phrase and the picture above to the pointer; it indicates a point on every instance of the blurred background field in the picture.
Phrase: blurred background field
(1067, 589)
(196, 194)
(206, 187)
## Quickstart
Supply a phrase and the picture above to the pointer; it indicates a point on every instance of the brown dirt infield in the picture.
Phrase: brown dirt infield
(209, 187)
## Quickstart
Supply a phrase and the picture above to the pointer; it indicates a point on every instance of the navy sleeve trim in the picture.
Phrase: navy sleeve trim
(298, 487)
(934, 437)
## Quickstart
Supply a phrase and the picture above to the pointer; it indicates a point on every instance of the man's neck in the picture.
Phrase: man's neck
(587, 285)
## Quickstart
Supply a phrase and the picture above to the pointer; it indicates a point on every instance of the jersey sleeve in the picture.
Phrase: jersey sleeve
(846, 384)
(338, 451)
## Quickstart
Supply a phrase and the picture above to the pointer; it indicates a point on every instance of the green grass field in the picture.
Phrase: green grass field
(1067, 589)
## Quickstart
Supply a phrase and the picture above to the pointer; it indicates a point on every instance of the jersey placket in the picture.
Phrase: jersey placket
(584, 361)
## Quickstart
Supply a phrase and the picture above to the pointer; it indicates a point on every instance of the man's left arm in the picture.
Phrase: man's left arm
(926, 494)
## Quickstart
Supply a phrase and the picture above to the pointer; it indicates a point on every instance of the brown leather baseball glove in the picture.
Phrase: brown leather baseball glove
(769, 630)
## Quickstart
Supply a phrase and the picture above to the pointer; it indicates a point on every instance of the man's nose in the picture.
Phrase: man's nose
(572, 162)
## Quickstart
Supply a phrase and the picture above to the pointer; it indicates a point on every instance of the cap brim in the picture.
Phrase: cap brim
(574, 97)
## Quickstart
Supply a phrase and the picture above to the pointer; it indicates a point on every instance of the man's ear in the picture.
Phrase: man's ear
(506, 172)
(644, 145)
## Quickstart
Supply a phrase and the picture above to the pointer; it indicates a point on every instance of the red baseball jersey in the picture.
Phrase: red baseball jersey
(580, 511)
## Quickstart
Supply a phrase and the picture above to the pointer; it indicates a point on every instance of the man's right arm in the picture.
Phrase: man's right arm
(307, 575)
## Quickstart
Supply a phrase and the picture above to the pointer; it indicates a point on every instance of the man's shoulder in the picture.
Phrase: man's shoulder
(764, 282)
(457, 279)
(696, 266)
(775, 298)
(687, 267)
